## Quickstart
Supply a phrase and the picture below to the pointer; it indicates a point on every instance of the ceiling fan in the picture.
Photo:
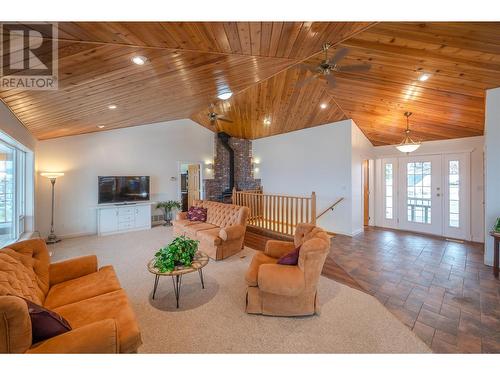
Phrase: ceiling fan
(328, 66)
(213, 116)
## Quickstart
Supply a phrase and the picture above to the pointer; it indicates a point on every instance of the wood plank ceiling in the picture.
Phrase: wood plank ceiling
(189, 63)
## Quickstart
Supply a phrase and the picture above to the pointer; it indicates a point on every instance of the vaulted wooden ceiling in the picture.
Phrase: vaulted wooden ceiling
(189, 63)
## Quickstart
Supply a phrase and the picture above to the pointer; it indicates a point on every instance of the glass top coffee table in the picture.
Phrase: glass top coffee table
(200, 260)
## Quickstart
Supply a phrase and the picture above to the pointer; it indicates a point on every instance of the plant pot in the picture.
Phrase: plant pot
(168, 218)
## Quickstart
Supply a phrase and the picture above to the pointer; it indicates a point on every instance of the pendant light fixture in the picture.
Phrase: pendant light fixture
(408, 145)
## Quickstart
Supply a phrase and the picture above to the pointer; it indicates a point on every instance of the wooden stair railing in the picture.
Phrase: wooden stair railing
(330, 207)
(277, 213)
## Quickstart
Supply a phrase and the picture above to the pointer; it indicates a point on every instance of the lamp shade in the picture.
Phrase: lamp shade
(409, 147)
(52, 175)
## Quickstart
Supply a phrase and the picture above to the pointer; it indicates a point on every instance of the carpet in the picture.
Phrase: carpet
(212, 320)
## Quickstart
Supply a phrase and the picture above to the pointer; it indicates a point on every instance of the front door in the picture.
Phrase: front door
(420, 194)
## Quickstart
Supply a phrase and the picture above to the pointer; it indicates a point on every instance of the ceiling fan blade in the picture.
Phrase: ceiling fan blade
(305, 81)
(341, 53)
(354, 68)
(331, 81)
(311, 68)
(224, 119)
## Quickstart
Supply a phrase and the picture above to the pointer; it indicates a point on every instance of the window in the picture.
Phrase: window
(419, 192)
(454, 193)
(389, 189)
(12, 193)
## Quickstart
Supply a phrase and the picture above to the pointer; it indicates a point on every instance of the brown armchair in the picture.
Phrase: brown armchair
(275, 289)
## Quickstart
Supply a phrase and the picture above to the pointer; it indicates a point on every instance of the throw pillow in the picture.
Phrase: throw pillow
(45, 323)
(197, 214)
(290, 259)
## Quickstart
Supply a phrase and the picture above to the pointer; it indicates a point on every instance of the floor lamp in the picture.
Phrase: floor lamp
(52, 176)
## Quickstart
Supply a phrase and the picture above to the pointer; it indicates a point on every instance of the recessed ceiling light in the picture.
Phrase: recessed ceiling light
(112, 106)
(139, 60)
(225, 95)
(100, 126)
(267, 122)
(323, 105)
(424, 77)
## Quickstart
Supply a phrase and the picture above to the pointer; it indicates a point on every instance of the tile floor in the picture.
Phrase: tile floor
(440, 289)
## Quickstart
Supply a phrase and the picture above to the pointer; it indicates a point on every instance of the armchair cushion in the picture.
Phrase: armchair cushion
(113, 305)
(98, 337)
(277, 249)
(281, 280)
(88, 286)
(45, 324)
(72, 269)
(232, 232)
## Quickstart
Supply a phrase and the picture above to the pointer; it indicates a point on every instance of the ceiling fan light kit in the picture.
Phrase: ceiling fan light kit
(408, 144)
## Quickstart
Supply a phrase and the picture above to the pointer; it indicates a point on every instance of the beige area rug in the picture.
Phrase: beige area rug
(213, 320)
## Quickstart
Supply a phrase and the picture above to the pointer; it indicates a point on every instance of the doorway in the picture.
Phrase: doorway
(366, 193)
(427, 194)
(190, 184)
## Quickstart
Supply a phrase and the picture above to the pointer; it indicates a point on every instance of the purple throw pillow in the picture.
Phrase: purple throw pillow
(290, 259)
(197, 214)
(45, 323)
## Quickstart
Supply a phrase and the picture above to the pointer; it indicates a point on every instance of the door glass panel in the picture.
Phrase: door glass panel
(7, 204)
(389, 180)
(454, 193)
(418, 189)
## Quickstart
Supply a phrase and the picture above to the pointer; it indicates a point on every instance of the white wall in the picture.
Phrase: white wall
(492, 168)
(153, 150)
(319, 159)
(475, 146)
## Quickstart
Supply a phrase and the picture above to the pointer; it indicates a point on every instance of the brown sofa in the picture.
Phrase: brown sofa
(275, 289)
(222, 234)
(90, 299)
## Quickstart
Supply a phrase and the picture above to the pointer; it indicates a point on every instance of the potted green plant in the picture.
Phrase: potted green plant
(168, 206)
(179, 253)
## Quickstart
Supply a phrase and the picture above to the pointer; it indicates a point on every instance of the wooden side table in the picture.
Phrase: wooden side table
(496, 251)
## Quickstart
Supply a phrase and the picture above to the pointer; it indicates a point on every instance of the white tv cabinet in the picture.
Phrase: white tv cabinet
(119, 218)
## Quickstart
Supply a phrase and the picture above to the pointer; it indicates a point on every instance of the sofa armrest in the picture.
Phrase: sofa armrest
(280, 279)
(72, 269)
(277, 249)
(97, 337)
(232, 232)
(181, 215)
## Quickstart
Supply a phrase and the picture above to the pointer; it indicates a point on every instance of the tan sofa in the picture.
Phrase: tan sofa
(280, 290)
(222, 234)
(90, 299)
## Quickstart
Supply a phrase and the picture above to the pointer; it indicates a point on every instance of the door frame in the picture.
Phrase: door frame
(202, 177)
(445, 155)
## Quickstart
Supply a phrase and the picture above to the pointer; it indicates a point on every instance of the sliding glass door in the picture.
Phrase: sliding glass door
(12, 193)
(7, 194)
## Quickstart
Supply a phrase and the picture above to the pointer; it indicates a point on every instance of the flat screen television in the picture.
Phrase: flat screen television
(122, 189)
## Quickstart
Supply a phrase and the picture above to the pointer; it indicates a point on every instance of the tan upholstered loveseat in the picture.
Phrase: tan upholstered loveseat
(90, 299)
(222, 234)
(275, 289)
